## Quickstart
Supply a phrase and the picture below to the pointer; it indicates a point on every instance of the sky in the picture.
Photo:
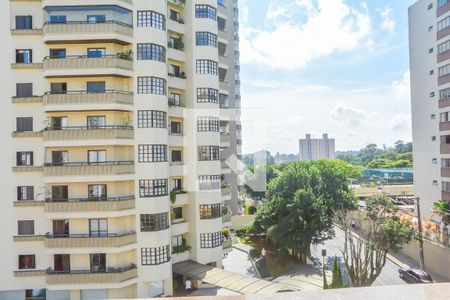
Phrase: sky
(324, 66)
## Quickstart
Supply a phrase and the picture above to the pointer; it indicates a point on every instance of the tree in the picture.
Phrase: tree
(365, 257)
(442, 209)
(337, 281)
(301, 204)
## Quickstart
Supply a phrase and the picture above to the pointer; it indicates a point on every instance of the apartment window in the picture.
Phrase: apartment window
(35, 294)
(221, 23)
(444, 94)
(177, 184)
(96, 52)
(97, 191)
(206, 66)
(24, 22)
(155, 222)
(445, 70)
(152, 188)
(98, 227)
(96, 86)
(207, 124)
(58, 87)
(176, 156)
(155, 256)
(445, 163)
(27, 262)
(60, 193)
(206, 39)
(210, 240)
(24, 124)
(443, 24)
(434, 161)
(445, 186)
(57, 53)
(175, 99)
(152, 119)
(151, 19)
(96, 157)
(430, 28)
(445, 139)
(207, 95)
(151, 85)
(209, 182)
(445, 46)
(208, 153)
(96, 122)
(152, 153)
(25, 193)
(151, 52)
(211, 211)
(205, 11)
(441, 2)
(177, 213)
(175, 127)
(431, 72)
(98, 262)
(24, 158)
(24, 90)
(96, 18)
(444, 117)
(25, 227)
(58, 19)
(433, 138)
(24, 56)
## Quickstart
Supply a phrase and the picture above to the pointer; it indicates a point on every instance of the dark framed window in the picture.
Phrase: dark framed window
(205, 11)
(221, 23)
(206, 39)
(154, 222)
(444, 94)
(152, 119)
(209, 182)
(24, 22)
(36, 294)
(207, 95)
(25, 193)
(151, 52)
(24, 90)
(207, 124)
(208, 153)
(151, 85)
(24, 158)
(152, 188)
(206, 66)
(176, 156)
(155, 256)
(57, 53)
(175, 127)
(25, 227)
(210, 211)
(24, 56)
(27, 262)
(210, 240)
(97, 191)
(152, 153)
(98, 227)
(96, 86)
(96, 52)
(98, 262)
(177, 213)
(147, 18)
(24, 124)
(58, 19)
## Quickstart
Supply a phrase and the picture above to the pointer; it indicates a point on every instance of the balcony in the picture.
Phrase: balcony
(82, 32)
(176, 25)
(81, 65)
(223, 35)
(31, 99)
(225, 140)
(226, 218)
(177, 81)
(180, 199)
(110, 275)
(442, 9)
(445, 148)
(89, 169)
(444, 102)
(90, 241)
(443, 126)
(25, 32)
(88, 133)
(179, 227)
(86, 97)
(224, 85)
(29, 273)
(89, 204)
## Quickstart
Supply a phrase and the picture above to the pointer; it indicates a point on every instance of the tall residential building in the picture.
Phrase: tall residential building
(312, 149)
(115, 119)
(429, 44)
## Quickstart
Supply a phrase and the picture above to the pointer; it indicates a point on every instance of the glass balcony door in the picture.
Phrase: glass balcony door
(98, 262)
(97, 191)
(60, 158)
(61, 263)
(61, 228)
(96, 157)
(96, 121)
(98, 227)
(96, 52)
(60, 193)
(58, 123)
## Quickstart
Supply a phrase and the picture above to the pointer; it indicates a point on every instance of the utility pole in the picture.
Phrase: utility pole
(419, 227)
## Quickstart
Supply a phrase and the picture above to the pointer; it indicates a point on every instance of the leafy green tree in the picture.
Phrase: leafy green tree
(365, 257)
(337, 281)
(442, 208)
(302, 202)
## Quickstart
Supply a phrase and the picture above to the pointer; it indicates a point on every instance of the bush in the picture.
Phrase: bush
(244, 231)
(250, 210)
(226, 232)
(253, 253)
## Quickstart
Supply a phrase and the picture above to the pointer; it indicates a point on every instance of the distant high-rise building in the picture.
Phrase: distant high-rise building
(312, 149)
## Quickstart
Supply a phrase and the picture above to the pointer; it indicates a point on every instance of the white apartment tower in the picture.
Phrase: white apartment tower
(313, 149)
(114, 135)
(429, 45)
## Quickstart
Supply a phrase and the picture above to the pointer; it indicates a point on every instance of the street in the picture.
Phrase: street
(388, 276)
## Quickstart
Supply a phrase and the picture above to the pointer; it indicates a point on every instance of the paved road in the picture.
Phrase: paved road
(388, 276)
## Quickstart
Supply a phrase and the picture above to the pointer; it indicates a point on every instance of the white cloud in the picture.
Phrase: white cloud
(348, 115)
(331, 26)
(401, 88)
(276, 10)
(401, 122)
(387, 23)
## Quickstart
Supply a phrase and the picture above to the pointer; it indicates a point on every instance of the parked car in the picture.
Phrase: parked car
(415, 276)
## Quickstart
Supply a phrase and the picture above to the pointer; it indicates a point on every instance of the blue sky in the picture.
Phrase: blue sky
(313, 66)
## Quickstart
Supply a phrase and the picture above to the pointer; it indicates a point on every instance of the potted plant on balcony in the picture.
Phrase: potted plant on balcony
(184, 247)
(127, 54)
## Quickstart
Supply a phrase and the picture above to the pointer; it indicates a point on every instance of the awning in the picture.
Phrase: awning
(231, 281)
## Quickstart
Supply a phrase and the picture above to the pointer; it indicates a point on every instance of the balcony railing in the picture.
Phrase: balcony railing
(88, 132)
(109, 30)
(88, 97)
(181, 75)
(108, 275)
(90, 240)
(90, 204)
(178, 45)
(89, 168)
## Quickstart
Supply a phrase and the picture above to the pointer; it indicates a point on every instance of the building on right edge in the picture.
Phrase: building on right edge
(429, 45)
(312, 149)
